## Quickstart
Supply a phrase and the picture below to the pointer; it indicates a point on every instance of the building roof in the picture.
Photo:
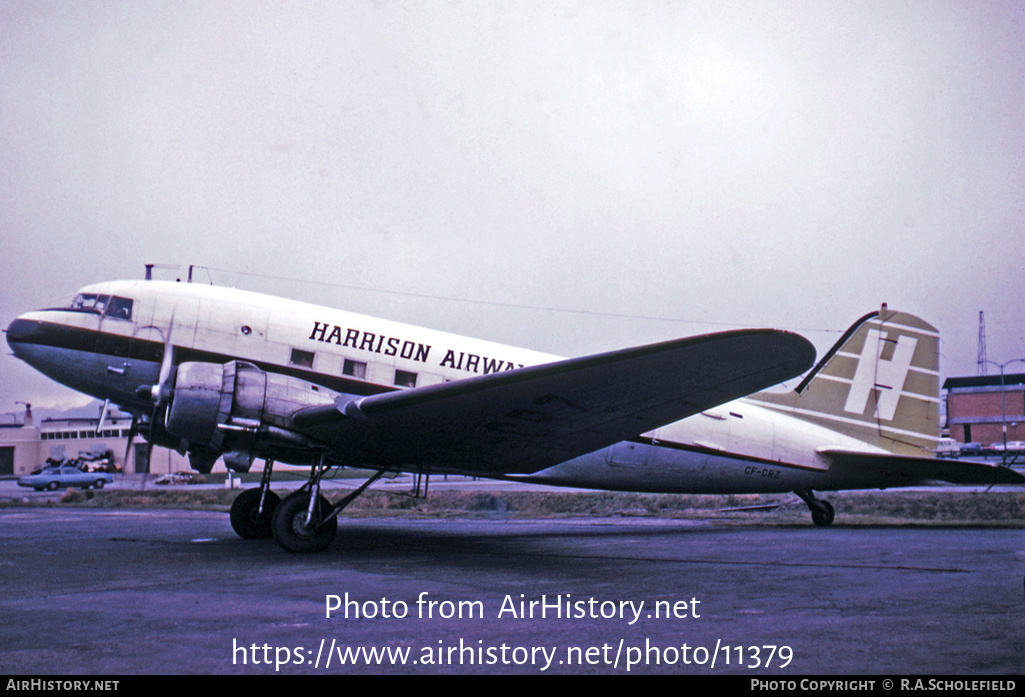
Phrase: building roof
(984, 381)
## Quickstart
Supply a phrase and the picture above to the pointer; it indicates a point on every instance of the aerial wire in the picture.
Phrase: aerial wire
(495, 303)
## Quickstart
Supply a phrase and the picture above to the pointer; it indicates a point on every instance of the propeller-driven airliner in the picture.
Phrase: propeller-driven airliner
(221, 373)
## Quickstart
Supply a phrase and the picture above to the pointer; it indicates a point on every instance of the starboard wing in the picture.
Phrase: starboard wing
(524, 420)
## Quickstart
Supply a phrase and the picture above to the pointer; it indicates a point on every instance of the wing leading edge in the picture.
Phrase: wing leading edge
(525, 420)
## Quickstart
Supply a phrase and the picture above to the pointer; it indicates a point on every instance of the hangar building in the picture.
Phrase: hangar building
(25, 446)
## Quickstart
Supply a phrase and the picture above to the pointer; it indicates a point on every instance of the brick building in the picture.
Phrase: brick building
(975, 413)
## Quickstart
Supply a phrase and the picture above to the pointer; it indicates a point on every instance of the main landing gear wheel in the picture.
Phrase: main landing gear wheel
(291, 530)
(246, 519)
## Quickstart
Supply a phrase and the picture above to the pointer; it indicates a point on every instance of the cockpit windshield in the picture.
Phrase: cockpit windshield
(90, 302)
(108, 305)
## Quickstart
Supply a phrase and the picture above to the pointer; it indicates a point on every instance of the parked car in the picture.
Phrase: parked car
(948, 447)
(54, 478)
(1012, 445)
(971, 448)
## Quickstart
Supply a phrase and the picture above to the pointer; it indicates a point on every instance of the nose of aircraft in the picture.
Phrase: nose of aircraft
(18, 332)
(23, 334)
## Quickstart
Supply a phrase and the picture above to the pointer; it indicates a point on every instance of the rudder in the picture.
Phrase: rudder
(879, 384)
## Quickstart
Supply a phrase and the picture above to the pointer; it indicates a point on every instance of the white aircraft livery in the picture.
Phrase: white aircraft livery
(224, 373)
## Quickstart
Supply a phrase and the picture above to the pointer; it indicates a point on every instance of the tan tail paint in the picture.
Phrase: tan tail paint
(879, 385)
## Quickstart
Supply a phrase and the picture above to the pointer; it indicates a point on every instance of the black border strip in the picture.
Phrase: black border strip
(833, 351)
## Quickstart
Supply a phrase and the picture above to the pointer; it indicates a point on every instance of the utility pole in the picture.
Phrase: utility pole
(1003, 403)
(982, 343)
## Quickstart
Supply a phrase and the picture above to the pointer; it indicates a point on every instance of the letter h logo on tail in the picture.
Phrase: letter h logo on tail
(886, 377)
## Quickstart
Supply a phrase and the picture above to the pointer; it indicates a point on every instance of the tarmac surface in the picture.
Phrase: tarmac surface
(88, 592)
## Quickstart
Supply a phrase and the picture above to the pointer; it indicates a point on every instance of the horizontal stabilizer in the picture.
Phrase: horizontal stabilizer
(921, 469)
(524, 420)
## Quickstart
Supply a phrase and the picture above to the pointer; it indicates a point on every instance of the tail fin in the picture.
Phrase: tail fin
(879, 384)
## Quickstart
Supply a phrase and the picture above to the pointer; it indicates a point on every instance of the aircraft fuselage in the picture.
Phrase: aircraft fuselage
(111, 343)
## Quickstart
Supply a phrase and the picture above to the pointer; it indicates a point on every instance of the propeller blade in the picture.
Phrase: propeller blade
(103, 416)
(133, 431)
(159, 392)
(149, 453)
(167, 361)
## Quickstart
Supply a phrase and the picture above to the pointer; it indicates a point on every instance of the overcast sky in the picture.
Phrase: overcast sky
(673, 168)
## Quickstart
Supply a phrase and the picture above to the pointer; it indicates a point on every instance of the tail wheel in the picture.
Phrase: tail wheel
(289, 524)
(823, 514)
(246, 520)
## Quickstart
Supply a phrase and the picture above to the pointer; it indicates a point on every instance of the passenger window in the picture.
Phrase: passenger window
(303, 359)
(356, 369)
(404, 378)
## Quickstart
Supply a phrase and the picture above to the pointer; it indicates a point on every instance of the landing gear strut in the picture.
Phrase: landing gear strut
(822, 513)
(305, 521)
(253, 509)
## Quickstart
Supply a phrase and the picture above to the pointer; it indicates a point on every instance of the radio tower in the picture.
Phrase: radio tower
(982, 343)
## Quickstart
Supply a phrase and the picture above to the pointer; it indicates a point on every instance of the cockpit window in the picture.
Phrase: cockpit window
(90, 302)
(109, 305)
(119, 308)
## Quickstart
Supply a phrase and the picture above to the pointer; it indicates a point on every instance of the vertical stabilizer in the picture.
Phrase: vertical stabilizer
(879, 384)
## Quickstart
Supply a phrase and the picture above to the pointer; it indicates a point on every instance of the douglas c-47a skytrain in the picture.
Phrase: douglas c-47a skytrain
(223, 373)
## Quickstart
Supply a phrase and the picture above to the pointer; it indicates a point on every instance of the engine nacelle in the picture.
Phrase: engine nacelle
(239, 411)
